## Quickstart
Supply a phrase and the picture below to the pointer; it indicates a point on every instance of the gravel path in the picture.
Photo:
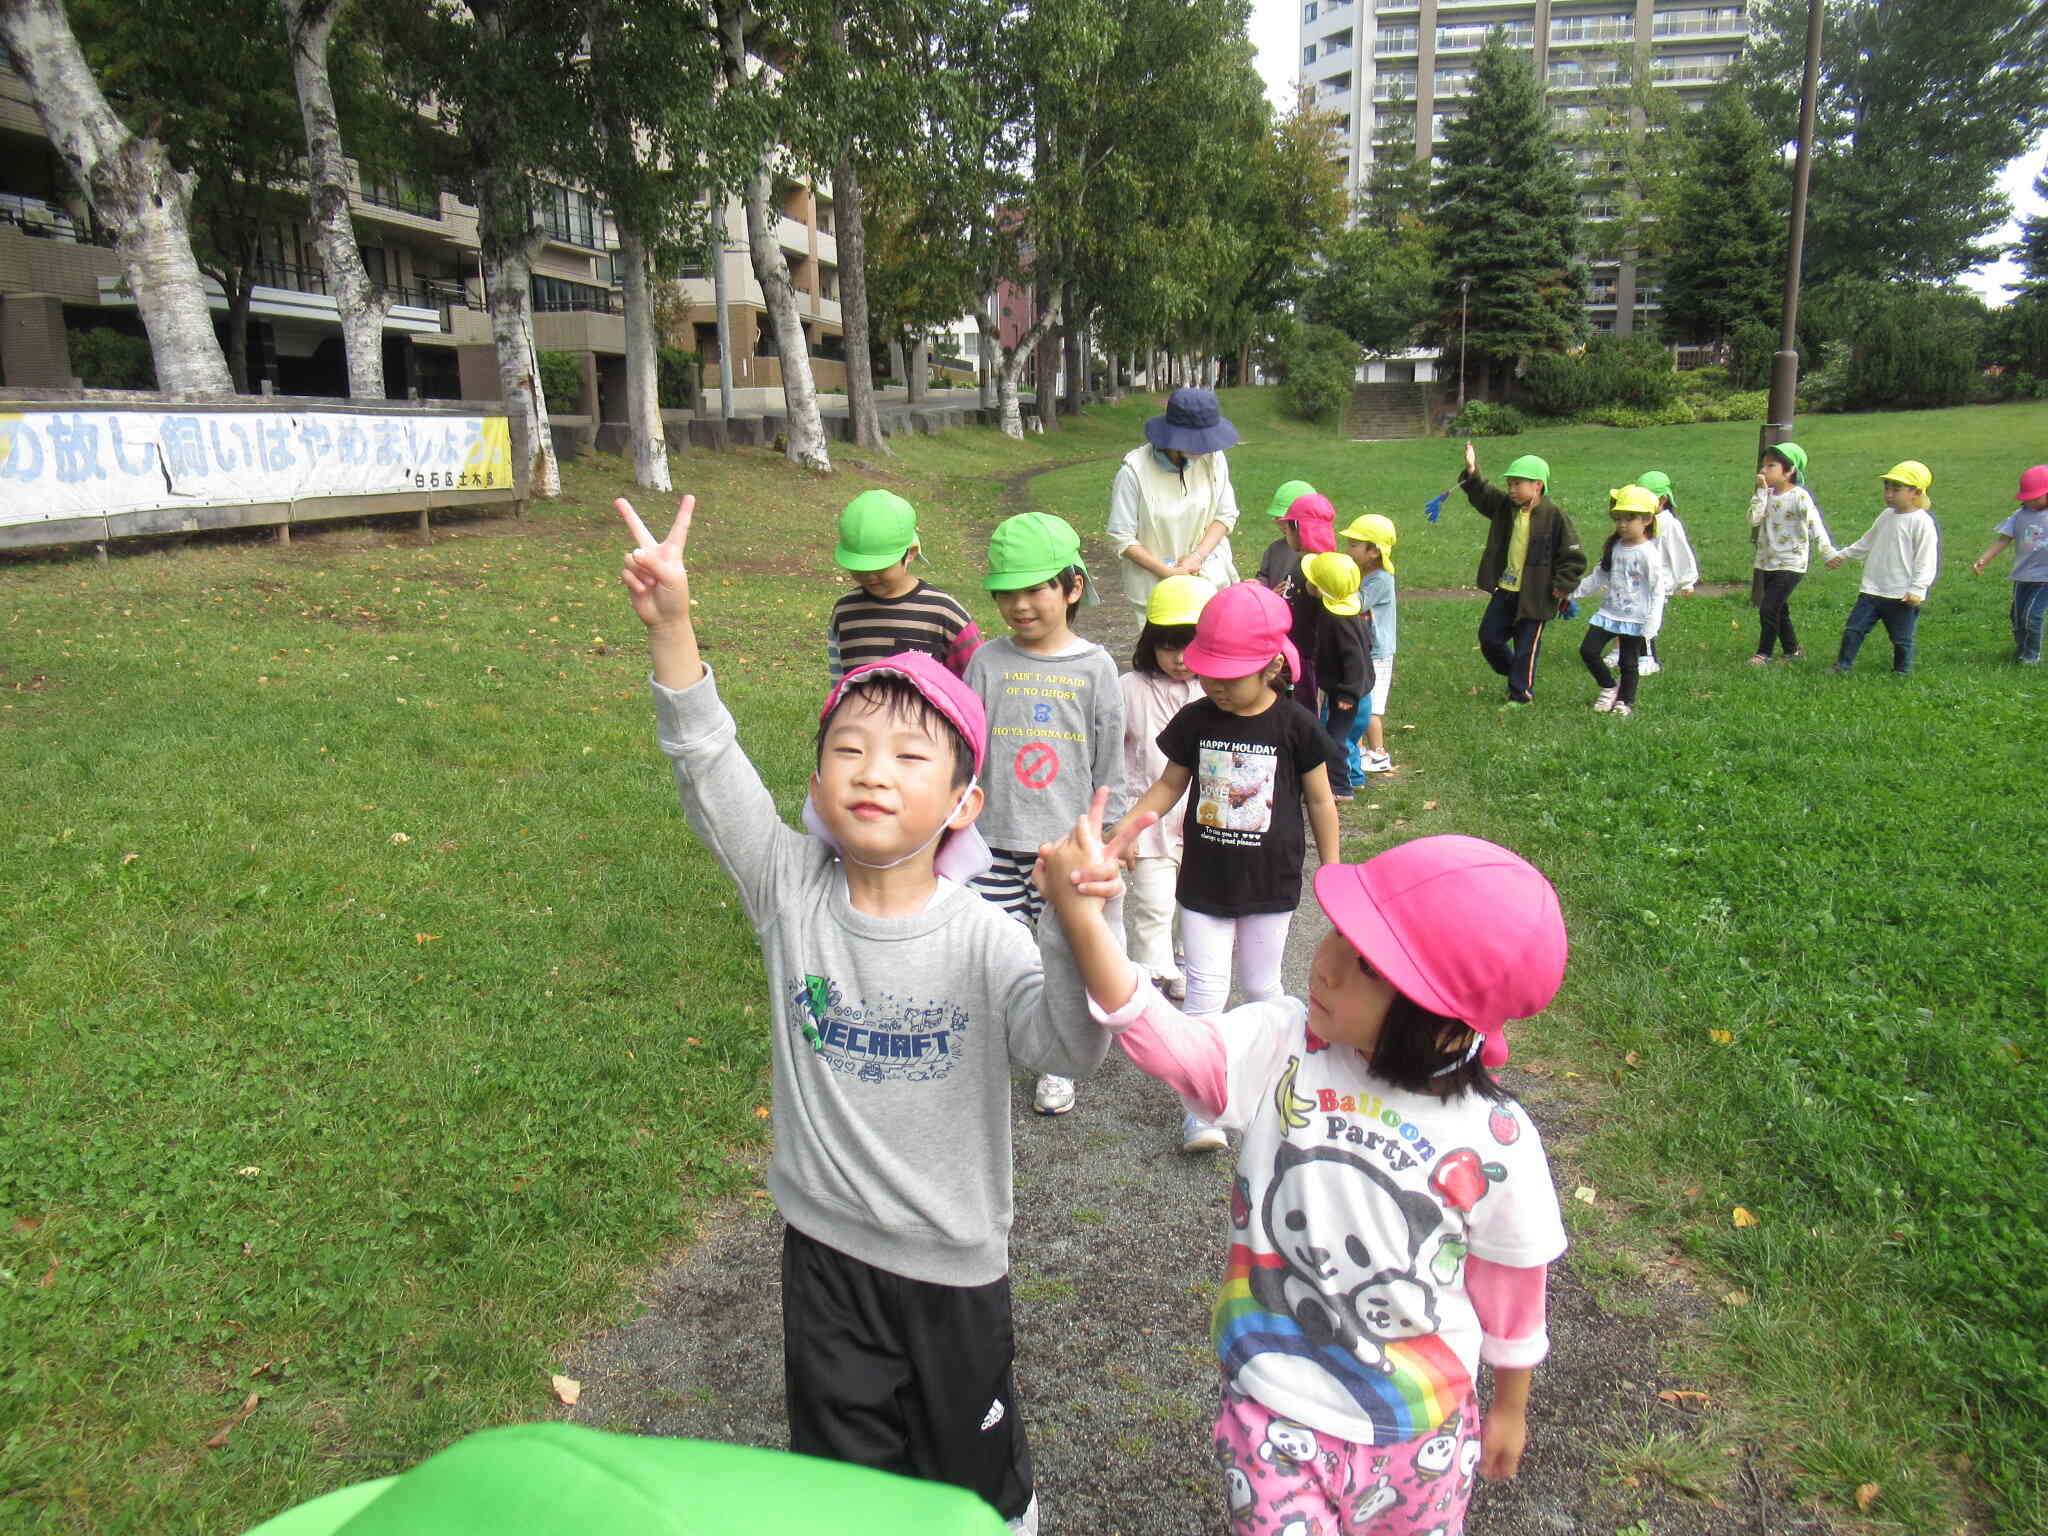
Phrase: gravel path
(1116, 1250)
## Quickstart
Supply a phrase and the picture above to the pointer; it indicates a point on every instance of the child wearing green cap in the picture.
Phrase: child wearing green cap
(890, 610)
(1280, 564)
(1055, 719)
(1531, 562)
(1787, 523)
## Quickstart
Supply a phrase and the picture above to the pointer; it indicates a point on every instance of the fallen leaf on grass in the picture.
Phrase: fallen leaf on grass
(220, 1436)
(50, 1275)
(1678, 1397)
(1735, 1298)
(760, 1111)
(567, 1390)
(1429, 805)
(1408, 727)
(130, 858)
(398, 839)
(1633, 1059)
(1742, 1217)
(1721, 1036)
(1867, 1495)
(1587, 1193)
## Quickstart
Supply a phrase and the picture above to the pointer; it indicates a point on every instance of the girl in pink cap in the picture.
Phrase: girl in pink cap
(1393, 1217)
(1258, 763)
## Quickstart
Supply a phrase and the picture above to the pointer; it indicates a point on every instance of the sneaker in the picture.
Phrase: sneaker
(1649, 666)
(1026, 1524)
(1759, 660)
(1378, 762)
(1622, 709)
(1176, 990)
(1054, 1095)
(1797, 654)
(1201, 1135)
(1604, 700)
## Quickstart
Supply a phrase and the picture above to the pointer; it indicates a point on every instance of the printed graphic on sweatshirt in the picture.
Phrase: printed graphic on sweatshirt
(886, 1039)
(1234, 786)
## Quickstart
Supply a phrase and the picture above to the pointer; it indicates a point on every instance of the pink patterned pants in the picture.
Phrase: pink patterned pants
(1285, 1479)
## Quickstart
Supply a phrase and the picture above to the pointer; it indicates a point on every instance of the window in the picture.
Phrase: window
(1593, 29)
(568, 215)
(1308, 54)
(1337, 42)
(1395, 40)
(1394, 85)
(1336, 85)
(1308, 12)
(1701, 21)
(551, 295)
(1455, 39)
(1452, 82)
(1693, 68)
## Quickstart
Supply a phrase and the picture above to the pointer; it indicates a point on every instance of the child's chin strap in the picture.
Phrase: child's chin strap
(1465, 1060)
(920, 848)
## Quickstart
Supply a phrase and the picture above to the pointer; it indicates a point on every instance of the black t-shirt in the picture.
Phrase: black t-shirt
(1244, 837)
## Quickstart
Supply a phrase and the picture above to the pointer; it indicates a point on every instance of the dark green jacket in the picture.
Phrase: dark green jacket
(1554, 562)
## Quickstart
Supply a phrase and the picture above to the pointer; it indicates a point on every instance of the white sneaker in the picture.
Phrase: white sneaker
(1648, 667)
(1377, 762)
(1198, 1135)
(1623, 709)
(1604, 701)
(1054, 1095)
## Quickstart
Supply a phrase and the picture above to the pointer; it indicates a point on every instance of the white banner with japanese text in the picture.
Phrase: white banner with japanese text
(85, 463)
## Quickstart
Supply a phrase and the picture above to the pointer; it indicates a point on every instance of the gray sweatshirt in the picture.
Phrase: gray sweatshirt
(893, 1038)
(1055, 733)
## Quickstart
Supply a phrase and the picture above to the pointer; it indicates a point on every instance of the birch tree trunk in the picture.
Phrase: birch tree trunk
(362, 305)
(771, 270)
(985, 346)
(853, 311)
(1011, 368)
(643, 394)
(918, 369)
(508, 295)
(133, 189)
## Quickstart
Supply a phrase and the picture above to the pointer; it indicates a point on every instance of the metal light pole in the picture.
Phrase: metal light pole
(1464, 291)
(1785, 364)
(719, 302)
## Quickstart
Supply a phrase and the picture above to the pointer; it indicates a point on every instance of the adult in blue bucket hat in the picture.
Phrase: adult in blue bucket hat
(1171, 507)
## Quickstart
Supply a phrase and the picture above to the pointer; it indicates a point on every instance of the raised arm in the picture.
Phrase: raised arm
(659, 586)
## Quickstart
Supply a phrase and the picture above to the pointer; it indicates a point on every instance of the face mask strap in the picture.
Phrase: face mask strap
(972, 784)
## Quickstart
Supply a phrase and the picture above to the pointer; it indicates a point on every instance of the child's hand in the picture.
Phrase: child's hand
(1835, 562)
(1471, 459)
(653, 573)
(1761, 483)
(1501, 1439)
(1911, 601)
(1977, 568)
(1082, 862)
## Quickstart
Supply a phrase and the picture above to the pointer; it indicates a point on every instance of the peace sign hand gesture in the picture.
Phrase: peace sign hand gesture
(659, 587)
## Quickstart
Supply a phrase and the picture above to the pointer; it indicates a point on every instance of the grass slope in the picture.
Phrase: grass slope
(370, 1014)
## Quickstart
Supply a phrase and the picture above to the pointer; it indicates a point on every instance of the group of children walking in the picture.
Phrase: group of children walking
(979, 814)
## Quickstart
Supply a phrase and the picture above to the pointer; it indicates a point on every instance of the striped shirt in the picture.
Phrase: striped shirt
(866, 628)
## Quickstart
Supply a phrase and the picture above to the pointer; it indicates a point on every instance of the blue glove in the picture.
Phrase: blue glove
(1570, 610)
(1434, 505)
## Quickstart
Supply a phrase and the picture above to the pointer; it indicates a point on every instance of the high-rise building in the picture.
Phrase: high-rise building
(1396, 73)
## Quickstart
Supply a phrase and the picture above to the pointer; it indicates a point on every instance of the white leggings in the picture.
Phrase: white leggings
(1206, 944)
(1149, 908)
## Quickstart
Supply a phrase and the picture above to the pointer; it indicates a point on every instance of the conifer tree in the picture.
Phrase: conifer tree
(1724, 261)
(1504, 208)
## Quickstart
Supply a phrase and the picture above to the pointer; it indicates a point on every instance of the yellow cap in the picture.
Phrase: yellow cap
(1335, 578)
(1372, 528)
(1910, 472)
(1632, 498)
(1178, 600)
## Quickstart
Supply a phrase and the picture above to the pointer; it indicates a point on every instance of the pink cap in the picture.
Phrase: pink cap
(2033, 482)
(1243, 627)
(1457, 924)
(1315, 519)
(952, 698)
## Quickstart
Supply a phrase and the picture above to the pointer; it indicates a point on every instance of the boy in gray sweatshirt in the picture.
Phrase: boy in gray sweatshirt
(901, 1002)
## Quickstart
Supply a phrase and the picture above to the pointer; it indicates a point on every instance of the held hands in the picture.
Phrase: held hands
(654, 574)
(1082, 866)
(1835, 562)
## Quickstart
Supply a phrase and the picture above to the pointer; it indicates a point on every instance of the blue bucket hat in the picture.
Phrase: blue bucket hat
(1193, 423)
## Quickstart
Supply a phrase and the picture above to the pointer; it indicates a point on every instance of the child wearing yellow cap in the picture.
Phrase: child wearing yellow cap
(1370, 541)
(1901, 553)
(1344, 668)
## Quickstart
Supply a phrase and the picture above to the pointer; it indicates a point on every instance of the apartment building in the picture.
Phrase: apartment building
(60, 276)
(1397, 72)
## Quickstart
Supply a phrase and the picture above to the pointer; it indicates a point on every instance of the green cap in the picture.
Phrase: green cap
(1528, 467)
(565, 1480)
(1791, 453)
(1030, 548)
(1658, 483)
(875, 531)
(1287, 495)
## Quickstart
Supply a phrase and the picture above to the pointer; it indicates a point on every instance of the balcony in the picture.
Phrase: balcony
(1470, 39)
(1569, 77)
(1449, 83)
(1393, 88)
(1576, 34)
(384, 191)
(45, 221)
(1382, 7)
(1334, 48)
(1395, 44)
(1684, 24)
(1689, 72)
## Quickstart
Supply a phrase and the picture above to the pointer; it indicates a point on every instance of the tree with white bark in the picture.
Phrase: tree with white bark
(135, 191)
(362, 305)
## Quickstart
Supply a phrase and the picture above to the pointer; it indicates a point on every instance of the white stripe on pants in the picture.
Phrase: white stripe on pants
(1260, 942)
(1148, 903)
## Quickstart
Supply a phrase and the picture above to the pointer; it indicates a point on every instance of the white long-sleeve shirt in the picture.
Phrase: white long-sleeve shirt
(1787, 522)
(1676, 549)
(1635, 589)
(1901, 553)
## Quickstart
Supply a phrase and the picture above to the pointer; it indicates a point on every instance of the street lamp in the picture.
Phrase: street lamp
(1464, 292)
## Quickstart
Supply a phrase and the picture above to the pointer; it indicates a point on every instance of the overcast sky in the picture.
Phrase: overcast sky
(1276, 29)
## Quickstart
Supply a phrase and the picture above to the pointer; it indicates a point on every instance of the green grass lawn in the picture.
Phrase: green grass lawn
(370, 1014)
